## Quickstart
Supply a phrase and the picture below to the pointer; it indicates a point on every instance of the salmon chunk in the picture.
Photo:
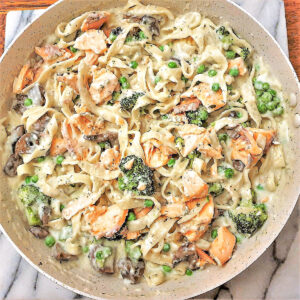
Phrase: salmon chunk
(95, 20)
(198, 138)
(24, 79)
(70, 80)
(193, 186)
(210, 99)
(110, 158)
(222, 246)
(239, 64)
(156, 154)
(52, 53)
(174, 210)
(190, 104)
(94, 40)
(107, 224)
(58, 146)
(103, 85)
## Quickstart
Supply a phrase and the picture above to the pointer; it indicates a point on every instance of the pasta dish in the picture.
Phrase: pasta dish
(144, 144)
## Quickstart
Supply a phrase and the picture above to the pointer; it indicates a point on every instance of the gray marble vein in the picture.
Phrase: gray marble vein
(275, 275)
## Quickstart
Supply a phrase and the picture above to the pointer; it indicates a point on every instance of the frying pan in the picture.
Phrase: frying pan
(98, 286)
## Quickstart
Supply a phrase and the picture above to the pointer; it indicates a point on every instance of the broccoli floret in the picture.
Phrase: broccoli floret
(197, 117)
(179, 142)
(222, 31)
(216, 189)
(30, 194)
(245, 53)
(127, 103)
(137, 178)
(249, 217)
(104, 145)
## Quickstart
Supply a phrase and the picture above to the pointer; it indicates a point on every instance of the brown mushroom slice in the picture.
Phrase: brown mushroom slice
(238, 165)
(105, 265)
(152, 23)
(131, 270)
(19, 106)
(27, 143)
(38, 232)
(187, 252)
(110, 136)
(16, 134)
(61, 255)
(41, 123)
(10, 168)
(44, 214)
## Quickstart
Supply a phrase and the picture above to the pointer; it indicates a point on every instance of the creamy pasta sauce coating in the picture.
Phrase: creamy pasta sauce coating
(146, 144)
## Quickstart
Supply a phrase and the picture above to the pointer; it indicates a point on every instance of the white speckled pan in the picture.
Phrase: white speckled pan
(97, 286)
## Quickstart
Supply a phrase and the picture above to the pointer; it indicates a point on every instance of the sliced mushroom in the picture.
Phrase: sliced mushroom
(16, 134)
(10, 168)
(234, 133)
(41, 123)
(152, 23)
(61, 255)
(108, 266)
(19, 106)
(188, 253)
(26, 143)
(238, 165)
(110, 136)
(39, 232)
(44, 214)
(131, 270)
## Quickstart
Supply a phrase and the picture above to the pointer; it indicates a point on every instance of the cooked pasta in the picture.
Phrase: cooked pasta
(144, 141)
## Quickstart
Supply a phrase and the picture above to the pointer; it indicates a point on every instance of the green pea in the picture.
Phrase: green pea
(215, 87)
(258, 85)
(239, 114)
(278, 111)
(166, 268)
(49, 241)
(234, 72)
(266, 86)
(262, 108)
(166, 247)
(165, 117)
(171, 162)
(123, 79)
(28, 179)
(131, 216)
(41, 159)
(148, 203)
(161, 48)
(60, 159)
(230, 54)
(201, 69)
(223, 137)
(212, 73)
(229, 173)
(266, 97)
(157, 79)
(27, 102)
(34, 178)
(172, 65)
(188, 272)
(133, 64)
(73, 49)
(214, 233)
(85, 249)
(272, 92)
(260, 187)
(125, 85)
(271, 105)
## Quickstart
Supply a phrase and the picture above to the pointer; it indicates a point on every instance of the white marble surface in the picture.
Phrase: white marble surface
(275, 275)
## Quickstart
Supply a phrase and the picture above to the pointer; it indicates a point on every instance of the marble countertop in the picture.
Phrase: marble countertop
(275, 275)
